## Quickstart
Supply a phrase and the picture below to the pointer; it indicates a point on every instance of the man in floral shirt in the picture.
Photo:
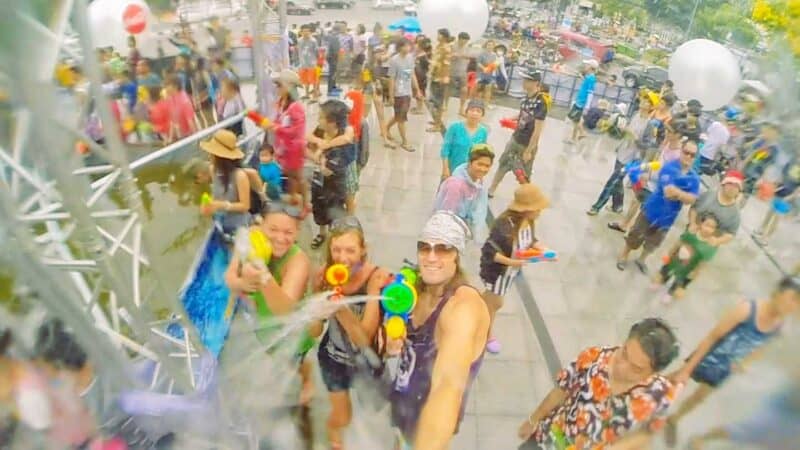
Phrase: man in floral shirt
(609, 397)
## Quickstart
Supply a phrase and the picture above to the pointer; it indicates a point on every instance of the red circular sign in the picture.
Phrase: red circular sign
(134, 17)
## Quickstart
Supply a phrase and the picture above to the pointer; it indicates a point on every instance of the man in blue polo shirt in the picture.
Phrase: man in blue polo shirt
(583, 99)
(678, 184)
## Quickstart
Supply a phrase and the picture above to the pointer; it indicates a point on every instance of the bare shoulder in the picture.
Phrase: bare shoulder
(466, 304)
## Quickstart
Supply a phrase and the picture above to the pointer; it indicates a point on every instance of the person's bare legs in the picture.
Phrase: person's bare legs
(487, 94)
(350, 204)
(307, 390)
(496, 180)
(339, 418)
(698, 396)
(493, 302)
(401, 126)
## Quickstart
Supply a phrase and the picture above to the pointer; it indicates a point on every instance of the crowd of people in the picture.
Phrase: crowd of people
(615, 396)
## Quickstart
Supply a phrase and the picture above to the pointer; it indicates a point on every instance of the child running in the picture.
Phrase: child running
(683, 262)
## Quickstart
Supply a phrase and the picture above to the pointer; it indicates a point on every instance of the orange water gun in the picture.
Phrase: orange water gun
(337, 275)
(535, 255)
(259, 120)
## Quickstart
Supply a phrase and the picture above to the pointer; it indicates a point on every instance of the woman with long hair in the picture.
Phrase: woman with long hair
(230, 185)
(512, 231)
(352, 329)
(440, 355)
(289, 127)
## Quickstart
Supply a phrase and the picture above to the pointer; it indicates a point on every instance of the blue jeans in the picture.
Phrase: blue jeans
(613, 188)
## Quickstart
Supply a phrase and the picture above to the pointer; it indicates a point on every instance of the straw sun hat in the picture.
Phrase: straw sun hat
(529, 197)
(223, 145)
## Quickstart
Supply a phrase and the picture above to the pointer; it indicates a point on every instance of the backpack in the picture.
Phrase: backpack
(652, 136)
(592, 117)
(363, 146)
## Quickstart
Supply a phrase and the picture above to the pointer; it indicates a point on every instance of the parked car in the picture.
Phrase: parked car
(296, 9)
(410, 11)
(384, 4)
(651, 77)
(341, 4)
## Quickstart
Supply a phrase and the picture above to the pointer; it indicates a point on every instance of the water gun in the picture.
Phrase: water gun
(259, 120)
(535, 255)
(560, 441)
(521, 177)
(634, 169)
(490, 68)
(766, 190)
(251, 246)
(509, 123)
(337, 275)
(399, 298)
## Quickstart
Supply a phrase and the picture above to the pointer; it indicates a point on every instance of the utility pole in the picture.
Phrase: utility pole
(691, 20)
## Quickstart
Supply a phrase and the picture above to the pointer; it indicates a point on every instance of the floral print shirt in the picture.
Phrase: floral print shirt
(591, 417)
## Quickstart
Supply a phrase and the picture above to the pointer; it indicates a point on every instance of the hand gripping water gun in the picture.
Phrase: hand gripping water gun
(259, 120)
(509, 122)
(521, 177)
(253, 247)
(337, 276)
(399, 298)
(634, 169)
(535, 255)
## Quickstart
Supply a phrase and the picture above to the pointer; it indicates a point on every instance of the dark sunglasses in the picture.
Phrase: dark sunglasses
(437, 249)
(346, 223)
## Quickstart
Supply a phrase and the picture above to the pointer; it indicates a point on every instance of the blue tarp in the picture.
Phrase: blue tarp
(411, 24)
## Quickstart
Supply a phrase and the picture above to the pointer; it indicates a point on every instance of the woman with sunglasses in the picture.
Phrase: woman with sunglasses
(464, 193)
(290, 139)
(436, 363)
(511, 232)
(352, 329)
(608, 397)
(335, 152)
(282, 281)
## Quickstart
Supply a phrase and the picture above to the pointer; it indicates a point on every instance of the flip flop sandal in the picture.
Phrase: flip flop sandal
(616, 227)
(389, 144)
(318, 241)
(408, 148)
(621, 266)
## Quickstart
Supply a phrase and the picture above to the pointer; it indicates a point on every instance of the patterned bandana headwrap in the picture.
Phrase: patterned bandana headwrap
(447, 228)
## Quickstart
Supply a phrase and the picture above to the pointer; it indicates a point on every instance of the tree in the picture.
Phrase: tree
(725, 22)
(782, 18)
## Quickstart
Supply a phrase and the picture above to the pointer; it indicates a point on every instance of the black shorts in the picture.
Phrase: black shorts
(645, 233)
(401, 107)
(328, 197)
(438, 94)
(575, 113)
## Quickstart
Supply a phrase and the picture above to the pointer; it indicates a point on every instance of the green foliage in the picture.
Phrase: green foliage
(719, 22)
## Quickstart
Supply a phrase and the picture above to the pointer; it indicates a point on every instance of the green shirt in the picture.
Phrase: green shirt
(690, 254)
(264, 313)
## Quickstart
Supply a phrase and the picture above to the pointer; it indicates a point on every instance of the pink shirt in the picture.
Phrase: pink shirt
(181, 113)
(290, 136)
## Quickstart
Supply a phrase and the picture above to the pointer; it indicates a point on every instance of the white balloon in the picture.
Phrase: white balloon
(706, 71)
(470, 16)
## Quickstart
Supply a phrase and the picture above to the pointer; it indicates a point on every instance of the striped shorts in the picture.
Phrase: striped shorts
(501, 285)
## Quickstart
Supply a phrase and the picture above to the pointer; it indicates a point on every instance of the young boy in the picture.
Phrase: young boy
(735, 340)
(683, 262)
(270, 172)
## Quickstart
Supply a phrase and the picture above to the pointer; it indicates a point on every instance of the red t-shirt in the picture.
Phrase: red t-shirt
(357, 112)
(181, 113)
(159, 117)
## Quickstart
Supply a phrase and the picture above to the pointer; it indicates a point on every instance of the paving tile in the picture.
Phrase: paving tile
(467, 437)
(516, 337)
(505, 388)
(498, 432)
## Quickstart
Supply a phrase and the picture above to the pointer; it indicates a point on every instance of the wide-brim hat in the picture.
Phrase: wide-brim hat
(286, 77)
(223, 145)
(529, 197)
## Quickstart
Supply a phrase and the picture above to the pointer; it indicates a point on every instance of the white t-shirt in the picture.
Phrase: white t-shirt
(717, 137)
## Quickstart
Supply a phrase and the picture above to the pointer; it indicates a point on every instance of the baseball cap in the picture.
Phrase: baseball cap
(734, 177)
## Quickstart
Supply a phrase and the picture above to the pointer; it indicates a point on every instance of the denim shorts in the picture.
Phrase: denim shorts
(337, 377)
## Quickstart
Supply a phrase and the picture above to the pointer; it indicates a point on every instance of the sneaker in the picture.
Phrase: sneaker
(614, 210)
(592, 211)
(493, 346)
